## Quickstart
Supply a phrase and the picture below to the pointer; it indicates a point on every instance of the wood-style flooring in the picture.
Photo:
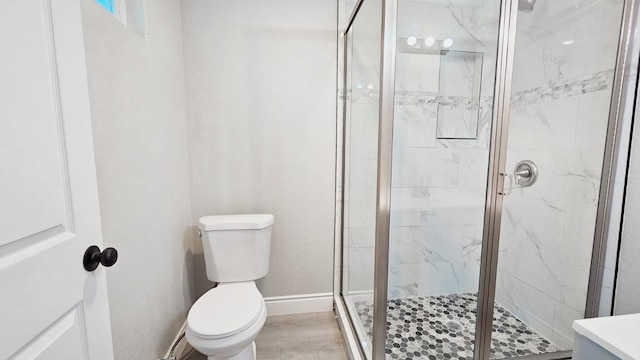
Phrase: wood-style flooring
(298, 337)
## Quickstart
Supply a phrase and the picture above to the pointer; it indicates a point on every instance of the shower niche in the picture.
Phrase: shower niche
(448, 79)
(459, 95)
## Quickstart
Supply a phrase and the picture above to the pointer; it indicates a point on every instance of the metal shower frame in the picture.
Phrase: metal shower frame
(495, 184)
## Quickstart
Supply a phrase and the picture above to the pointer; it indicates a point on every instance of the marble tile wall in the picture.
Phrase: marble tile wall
(563, 72)
(439, 184)
(565, 55)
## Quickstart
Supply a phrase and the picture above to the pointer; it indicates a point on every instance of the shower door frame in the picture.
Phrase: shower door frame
(495, 173)
(345, 322)
(495, 183)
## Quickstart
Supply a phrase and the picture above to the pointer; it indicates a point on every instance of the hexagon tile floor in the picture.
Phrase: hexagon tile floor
(443, 327)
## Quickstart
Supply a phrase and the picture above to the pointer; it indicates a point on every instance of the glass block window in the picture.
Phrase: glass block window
(110, 5)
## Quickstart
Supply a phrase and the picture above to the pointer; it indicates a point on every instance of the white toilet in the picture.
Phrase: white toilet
(224, 322)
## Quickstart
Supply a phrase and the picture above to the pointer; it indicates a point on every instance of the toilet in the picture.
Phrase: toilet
(224, 322)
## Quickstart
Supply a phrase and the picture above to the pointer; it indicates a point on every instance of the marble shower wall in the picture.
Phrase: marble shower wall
(564, 67)
(563, 73)
(438, 185)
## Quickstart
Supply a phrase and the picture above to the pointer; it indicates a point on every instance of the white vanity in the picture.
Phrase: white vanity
(614, 337)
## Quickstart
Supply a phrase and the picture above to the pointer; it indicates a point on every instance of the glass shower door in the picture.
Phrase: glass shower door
(362, 101)
(443, 111)
(565, 57)
(450, 222)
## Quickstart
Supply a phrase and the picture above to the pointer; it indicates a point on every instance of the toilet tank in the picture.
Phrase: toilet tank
(236, 247)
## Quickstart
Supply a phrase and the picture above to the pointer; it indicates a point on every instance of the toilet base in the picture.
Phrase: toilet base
(248, 353)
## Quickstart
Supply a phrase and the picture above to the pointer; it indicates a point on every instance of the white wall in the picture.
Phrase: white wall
(360, 125)
(619, 189)
(139, 121)
(628, 281)
(260, 79)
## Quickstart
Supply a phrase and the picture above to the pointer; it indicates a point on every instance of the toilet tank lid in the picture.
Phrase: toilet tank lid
(236, 222)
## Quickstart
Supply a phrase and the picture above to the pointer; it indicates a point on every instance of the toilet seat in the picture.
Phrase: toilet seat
(226, 310)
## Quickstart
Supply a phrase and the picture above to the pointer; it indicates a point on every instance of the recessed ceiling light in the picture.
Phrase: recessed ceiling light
(412, 40)
(448, 42)
(429, 41)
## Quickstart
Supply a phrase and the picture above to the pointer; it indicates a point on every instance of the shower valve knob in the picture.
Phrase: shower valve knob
(526, 173)
(93, 257)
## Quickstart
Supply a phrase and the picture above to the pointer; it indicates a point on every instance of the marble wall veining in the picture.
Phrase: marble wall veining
(563, 73)
(438, 184)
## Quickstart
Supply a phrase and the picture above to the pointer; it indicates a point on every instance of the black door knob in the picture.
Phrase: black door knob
(93, 257)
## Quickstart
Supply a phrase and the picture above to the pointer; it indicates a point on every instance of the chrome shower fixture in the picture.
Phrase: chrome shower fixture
(526, 6)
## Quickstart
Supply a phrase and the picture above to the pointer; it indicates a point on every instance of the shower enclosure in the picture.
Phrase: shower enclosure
(478, 146)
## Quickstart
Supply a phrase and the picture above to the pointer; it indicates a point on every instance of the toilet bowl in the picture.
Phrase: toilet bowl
(225, 321)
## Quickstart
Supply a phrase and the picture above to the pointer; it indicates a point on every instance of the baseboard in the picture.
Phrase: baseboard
(299, 304)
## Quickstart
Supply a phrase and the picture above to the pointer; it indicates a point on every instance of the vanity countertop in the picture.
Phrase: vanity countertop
(620, 335)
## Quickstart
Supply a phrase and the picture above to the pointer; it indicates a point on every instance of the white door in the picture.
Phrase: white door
(50, 307)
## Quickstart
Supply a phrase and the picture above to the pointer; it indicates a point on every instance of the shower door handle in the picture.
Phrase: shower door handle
(526, 174)
(507, 190)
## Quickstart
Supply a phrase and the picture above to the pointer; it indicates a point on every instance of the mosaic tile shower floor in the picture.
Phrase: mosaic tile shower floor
(443, 327)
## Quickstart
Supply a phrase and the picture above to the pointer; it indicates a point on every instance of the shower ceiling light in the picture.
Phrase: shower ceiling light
(412, 40)
(448, 42)
(567, 42)
(429, 41)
